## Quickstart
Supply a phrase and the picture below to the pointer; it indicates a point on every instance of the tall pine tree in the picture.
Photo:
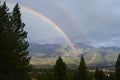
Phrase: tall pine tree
(5, 52)
(117, 68)
(14, 59)
(82, 70)
(60, 70)
(99, 74)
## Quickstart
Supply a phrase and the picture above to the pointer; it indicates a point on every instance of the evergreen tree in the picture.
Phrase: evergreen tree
(117, 68)
(99, 74)
(5, 62)
(14, 59)
(60, 70)
(82, 70)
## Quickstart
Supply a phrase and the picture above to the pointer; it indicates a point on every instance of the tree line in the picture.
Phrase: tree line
(61, 72)
(14, 55)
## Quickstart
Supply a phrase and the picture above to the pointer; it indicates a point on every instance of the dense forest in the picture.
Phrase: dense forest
(15, 59)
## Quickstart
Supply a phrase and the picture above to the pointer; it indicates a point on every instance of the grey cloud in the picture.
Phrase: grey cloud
(100, 20)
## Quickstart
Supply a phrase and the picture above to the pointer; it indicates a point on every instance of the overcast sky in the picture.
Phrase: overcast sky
(94, 22)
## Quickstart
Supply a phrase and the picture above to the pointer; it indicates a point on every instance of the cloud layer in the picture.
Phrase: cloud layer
(95, 22)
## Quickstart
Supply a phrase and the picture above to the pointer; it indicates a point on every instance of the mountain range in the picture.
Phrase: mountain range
(46, 54)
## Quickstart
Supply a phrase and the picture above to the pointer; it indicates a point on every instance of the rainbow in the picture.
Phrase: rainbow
(58, 27)
(72, 18)
(92, 59)
(50, 22)
(78, 25)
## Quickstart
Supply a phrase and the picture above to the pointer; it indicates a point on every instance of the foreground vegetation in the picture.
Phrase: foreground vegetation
(80, 73)
(70, 75)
